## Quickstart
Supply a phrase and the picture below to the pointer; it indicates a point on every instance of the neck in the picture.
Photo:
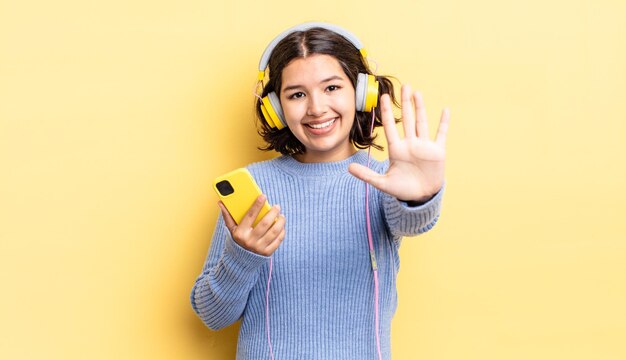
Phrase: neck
(320, 157)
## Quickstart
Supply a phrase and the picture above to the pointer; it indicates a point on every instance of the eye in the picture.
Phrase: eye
(296, 95)
(333, 87)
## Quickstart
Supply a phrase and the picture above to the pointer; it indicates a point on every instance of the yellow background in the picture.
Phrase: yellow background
(115, 116)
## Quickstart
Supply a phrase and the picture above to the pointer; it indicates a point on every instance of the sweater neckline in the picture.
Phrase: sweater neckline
(293, 166)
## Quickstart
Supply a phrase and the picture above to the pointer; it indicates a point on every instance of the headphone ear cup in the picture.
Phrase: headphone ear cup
(366, 92)
(272, 111)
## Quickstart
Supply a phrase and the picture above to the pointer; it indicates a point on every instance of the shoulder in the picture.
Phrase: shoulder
(265, 164)
(260, 165)
(267, 168)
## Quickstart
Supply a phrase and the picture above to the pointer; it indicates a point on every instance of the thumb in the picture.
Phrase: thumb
(368, 175)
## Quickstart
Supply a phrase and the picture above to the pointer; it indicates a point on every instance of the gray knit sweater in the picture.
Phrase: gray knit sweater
(321, 299)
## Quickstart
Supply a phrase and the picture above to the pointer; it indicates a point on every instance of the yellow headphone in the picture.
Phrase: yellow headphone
(366, 85)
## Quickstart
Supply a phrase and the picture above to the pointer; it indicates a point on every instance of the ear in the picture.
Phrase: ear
(272, 111)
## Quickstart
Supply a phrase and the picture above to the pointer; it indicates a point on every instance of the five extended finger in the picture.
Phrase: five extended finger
(389, 122)
(368, 175)
(442, 131)
(422, 121)
(408, 112)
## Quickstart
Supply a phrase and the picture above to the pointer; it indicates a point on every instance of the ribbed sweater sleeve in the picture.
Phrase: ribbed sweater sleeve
(220, 293)
(405, 220)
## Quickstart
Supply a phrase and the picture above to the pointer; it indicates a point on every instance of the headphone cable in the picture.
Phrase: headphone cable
(371, 248)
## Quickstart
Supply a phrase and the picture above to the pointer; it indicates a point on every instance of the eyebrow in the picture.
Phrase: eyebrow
(332, 78)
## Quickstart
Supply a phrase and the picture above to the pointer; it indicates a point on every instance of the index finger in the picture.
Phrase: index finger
(253, 212)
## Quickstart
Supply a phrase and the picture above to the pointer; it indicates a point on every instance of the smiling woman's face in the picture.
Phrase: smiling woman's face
(318, 101)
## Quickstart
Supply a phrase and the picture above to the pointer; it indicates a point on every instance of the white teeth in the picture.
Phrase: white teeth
(322, 125)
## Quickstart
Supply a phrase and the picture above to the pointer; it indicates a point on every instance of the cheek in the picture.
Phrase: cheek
(348, 108)
(348, 103)
(293, 111)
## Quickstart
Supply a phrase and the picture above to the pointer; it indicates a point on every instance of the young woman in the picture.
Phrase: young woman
(316, 277)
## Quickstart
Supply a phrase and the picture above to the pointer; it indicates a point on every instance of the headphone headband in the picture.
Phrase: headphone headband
(265, 58)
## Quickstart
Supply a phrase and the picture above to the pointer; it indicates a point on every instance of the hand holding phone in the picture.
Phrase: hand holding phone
(238, 191)
(252, 222)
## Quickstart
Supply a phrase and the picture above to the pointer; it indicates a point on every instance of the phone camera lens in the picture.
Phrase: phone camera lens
(225, 188)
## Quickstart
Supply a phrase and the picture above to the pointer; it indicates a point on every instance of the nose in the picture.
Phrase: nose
(316, 106)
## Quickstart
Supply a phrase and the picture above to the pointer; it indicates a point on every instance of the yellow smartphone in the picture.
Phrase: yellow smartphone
(238, 191)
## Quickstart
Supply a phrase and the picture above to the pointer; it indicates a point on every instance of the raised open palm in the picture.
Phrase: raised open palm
(416, 163)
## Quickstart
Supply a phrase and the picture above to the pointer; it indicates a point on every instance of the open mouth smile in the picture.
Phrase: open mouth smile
(323, 125)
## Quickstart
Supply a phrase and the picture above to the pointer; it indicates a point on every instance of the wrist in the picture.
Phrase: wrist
(419, 201)
(415, 203)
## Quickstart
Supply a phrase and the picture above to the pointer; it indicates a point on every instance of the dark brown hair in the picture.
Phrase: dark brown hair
(301, 44)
